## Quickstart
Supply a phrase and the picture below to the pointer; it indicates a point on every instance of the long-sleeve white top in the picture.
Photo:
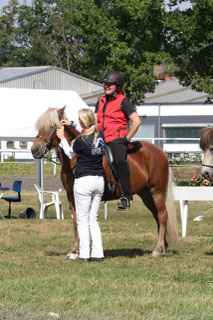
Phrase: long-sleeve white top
(67, 148)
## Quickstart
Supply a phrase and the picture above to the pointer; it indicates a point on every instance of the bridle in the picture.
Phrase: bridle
(48, 142)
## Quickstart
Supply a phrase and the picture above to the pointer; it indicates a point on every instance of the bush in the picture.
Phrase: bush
(196, 181)
(184, 158)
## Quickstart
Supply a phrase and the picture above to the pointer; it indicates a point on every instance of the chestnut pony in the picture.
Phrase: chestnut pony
(150, 177)
(206, 144)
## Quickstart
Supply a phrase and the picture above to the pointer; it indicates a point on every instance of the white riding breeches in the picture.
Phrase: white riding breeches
(88, 192)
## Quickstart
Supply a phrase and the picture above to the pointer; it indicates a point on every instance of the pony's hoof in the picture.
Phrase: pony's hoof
(72, 256)
(157, 254)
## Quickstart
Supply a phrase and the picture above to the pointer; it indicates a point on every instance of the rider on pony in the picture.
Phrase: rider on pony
(113, 112)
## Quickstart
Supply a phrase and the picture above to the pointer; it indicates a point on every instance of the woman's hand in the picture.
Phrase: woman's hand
(60, 134)
(65, 123)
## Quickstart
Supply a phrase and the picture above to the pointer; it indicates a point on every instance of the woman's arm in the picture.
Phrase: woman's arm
(135, 123)
(65, 145)
(67, 149)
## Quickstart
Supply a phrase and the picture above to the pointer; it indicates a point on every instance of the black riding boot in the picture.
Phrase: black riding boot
(124, 177)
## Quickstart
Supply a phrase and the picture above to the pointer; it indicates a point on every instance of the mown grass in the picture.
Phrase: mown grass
(29, 169)
(129, 284)
(26, 169)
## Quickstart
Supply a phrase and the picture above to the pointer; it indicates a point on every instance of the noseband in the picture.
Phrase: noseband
(206, 165)
(48, 142)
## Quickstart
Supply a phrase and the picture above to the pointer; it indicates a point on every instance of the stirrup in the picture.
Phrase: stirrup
(123, 204)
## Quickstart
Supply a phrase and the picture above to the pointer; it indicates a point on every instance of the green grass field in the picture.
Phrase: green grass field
(36, 280)
(26, 169)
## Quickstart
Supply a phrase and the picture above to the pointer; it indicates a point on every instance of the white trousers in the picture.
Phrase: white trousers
(88, 192)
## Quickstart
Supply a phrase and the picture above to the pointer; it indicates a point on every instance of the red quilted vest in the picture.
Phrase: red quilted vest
(112, 121)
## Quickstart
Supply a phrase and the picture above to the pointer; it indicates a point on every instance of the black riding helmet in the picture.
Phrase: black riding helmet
(114, 77)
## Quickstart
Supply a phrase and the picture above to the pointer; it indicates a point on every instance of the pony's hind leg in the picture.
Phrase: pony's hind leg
(156, 205)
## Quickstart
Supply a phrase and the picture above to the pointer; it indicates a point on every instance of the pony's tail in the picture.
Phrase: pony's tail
(172, 226)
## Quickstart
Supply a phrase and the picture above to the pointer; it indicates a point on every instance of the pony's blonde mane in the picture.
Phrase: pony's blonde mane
(49, 120)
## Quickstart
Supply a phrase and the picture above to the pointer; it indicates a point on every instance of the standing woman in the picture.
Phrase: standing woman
(88, 184)
(113, 112)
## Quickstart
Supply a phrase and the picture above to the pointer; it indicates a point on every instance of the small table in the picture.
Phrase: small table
(2, 190)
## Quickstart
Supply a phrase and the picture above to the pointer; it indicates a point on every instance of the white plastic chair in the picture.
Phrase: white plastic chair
(55, 201)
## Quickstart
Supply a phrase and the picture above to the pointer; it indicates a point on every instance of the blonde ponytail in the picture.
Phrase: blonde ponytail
(88, 118)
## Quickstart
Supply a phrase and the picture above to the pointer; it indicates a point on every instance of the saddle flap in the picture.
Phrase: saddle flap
(111, 163)
(109, 155)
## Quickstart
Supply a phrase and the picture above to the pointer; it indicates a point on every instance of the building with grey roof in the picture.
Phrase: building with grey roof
(170, 91)
(173, 117)
(50, 78)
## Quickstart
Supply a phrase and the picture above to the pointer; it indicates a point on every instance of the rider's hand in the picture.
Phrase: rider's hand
(124, 140)
(60, 134)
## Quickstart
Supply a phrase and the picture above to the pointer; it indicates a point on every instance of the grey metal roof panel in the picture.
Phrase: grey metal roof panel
(172, 91)
(78, 76)
(13, 73)
(8, 74)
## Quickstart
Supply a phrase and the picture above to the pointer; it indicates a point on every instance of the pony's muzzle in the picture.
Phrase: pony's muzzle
(38, 151)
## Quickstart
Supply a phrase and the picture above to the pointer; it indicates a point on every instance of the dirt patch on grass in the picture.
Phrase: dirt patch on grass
(185, 173)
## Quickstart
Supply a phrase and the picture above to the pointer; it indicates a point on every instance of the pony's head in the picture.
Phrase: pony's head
(206, 144)
(46, 126)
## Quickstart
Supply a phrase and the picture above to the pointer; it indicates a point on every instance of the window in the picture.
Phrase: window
(145, 131)
(181, 132)
(10, 144)
(23, 144)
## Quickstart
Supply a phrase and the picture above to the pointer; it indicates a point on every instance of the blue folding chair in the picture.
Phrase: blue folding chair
(16, 188)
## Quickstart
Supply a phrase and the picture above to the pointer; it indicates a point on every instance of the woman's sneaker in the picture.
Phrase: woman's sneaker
(123, 204)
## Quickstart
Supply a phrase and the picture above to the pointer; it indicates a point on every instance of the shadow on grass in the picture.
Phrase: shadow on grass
(8, 217)
(209, 253)
(55, 254)
(129, 253)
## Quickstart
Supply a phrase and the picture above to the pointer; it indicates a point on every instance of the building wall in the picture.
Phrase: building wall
(156, 118)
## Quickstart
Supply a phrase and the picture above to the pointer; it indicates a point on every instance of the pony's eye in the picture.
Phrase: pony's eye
(211, 149)
(51, 127)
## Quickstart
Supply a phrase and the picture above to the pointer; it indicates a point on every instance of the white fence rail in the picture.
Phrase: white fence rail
(169, 148)
(186, 194)
(5, 153)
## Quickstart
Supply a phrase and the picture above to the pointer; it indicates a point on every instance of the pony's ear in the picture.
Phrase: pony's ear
(61, 112)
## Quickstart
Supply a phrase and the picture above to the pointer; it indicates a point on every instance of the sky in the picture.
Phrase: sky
(5, 2)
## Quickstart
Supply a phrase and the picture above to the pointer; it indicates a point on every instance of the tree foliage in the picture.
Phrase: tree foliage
(90, 37)
(189, 40)
(9, 52)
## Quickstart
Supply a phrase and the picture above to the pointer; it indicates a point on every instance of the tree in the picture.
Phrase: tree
(9, 52)
(189, 39)
(90, 37)
(125, 36)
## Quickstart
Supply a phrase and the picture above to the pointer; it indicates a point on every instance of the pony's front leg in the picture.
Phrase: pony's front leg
(73, 254)
(67, 178)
